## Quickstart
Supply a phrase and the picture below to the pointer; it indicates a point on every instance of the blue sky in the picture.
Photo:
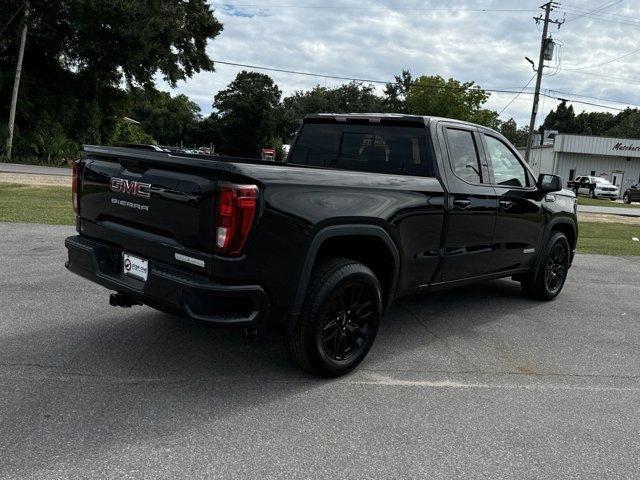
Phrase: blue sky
(483, 41)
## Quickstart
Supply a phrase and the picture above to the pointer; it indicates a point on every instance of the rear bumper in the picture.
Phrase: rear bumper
(168, 288)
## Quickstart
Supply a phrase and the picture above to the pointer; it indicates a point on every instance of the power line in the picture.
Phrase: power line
(584, 103)
(622, 20)
(343, 7)
(517, 95)
(294, 72)
(606, 62)
(355, 79)
(597, 9)
(587, 12)
(418, 86)
(591, 97)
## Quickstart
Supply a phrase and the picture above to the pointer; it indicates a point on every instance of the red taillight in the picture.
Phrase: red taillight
(74, 185)
(236, 209)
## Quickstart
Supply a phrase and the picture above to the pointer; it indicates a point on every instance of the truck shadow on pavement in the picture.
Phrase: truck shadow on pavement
(113, 377)
(140, 344)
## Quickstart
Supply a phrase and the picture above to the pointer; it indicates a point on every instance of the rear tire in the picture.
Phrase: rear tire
(339, 320)
(547, 281)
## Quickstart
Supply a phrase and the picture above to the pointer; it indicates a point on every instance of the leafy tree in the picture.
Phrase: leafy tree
(79, 53)
(594, 123)
(120, 39)
(205, 132)
(627, 124)
(517, 136)
(127, 132)
(247, 109)
(353, 97)
(395, 93)
(450, 98)
(563, 119)
(53, 146)
(168, 119)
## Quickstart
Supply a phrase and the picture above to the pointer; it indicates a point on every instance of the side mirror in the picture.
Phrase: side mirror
(548, 183)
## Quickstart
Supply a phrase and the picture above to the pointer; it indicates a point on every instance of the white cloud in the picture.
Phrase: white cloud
(378, 38)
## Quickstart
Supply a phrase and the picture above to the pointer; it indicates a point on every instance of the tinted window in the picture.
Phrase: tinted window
(507, 169)
(463, 155)
(379, 148)
(317, 145)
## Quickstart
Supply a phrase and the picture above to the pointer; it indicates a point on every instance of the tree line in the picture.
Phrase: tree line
(624, 124)
(90, 65)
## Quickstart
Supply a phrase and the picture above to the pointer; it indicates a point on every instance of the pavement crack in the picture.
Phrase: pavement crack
(461, 355)
(27, 364)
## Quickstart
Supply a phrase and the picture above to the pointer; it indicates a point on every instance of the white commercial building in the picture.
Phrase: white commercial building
(570, 156)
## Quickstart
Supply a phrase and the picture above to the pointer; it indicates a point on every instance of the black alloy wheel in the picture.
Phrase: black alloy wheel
(346, 326)
(339, 319)
(555, 272)
(547, 280)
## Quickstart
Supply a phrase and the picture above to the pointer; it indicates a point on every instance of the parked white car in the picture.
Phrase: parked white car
(595, 187)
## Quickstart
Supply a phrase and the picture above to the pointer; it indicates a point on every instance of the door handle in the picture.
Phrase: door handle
(460, 203)
(506, 204)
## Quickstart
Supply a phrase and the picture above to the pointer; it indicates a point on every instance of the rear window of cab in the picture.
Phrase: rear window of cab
(369, 148)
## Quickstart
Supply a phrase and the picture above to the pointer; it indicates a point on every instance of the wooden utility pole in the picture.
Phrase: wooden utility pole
(536, 96)
(16, 82)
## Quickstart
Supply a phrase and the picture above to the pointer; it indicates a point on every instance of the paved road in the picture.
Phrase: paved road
(475, 383)
(627, 212)
(33, 169)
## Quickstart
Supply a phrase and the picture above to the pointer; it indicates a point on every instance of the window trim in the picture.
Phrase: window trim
(528, 172)
(479, 154)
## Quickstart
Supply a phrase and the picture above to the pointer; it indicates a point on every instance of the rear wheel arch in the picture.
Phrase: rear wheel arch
(370, 245)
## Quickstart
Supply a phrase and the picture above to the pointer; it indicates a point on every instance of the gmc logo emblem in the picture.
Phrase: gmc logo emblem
(131, 187)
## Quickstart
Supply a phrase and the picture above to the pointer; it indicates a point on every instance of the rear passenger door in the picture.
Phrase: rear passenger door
(471, 205)
(519, 223)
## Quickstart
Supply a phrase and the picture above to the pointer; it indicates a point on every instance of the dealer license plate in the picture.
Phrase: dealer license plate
(135, 267)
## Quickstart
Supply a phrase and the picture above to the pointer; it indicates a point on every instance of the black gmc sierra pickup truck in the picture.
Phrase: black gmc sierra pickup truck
(367, 208)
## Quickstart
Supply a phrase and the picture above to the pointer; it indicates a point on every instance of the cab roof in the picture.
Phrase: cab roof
(381, 117)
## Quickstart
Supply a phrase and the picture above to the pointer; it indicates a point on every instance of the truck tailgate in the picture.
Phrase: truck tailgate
(154, 209)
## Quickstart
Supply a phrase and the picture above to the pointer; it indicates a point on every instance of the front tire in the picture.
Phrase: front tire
(626, 199)
(340, 318)
(547, 282)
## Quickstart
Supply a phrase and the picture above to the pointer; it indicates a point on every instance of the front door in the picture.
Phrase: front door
(520, 219)
(471, 204)
(617, 178)
(584, 187)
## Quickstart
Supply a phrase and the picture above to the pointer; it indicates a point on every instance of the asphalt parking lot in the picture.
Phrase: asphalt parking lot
(476, 382)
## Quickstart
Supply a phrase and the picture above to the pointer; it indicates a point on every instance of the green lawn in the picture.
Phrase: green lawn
(596, 202)
(35, 204)
(608, 238)
(52, 205)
